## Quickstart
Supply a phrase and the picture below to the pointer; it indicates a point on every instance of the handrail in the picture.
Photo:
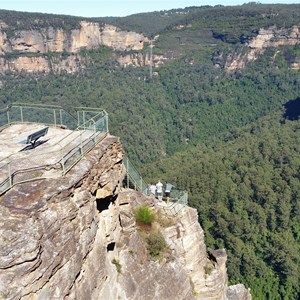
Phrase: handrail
(68, 157)
(179, 198)
(71, 156)
(135, 177)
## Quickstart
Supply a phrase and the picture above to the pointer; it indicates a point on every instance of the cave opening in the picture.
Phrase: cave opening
(103, 203)
(110, 247)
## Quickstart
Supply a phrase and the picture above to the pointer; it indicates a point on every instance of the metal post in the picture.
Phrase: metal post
(8, 117)
(83, 117)
(62, 161)
(21, 111)
(94, 135)
(60, 117)
(127, 173)
(81, 147)
(54, 117)
(106, 123)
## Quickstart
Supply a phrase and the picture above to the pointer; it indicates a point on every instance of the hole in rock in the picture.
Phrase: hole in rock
(111, 246)
(103, 203)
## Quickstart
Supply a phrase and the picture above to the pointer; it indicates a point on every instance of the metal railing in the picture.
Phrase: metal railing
(36, 113)
(133, 179)
(177, 200)
(60, 156)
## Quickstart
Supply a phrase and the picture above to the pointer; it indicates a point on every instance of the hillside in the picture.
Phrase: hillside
(221, 76)
(246, 189)
(193, 98)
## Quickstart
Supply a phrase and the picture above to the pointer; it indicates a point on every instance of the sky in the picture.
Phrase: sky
(120, 8)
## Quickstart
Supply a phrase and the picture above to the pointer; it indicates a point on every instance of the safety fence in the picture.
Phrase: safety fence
(89, 126)
(133, 179)
(177, 200)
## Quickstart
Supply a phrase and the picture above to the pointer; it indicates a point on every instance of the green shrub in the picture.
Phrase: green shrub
(118, 265)
(144, 215)
(208, 268)
(156, 244)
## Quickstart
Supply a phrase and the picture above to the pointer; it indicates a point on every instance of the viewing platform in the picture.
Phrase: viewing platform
(39, 141)
(45, 141)
(171, 205)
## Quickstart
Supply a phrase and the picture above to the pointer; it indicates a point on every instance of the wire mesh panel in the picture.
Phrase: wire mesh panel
(133, 178)
(30, 113)
(3, 117)
(96, 119)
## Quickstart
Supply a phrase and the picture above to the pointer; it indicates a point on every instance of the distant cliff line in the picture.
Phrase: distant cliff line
(28, 50)
(57, 50)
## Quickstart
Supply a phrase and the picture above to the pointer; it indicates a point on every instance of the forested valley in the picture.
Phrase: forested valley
(246, 190)
(231, 139)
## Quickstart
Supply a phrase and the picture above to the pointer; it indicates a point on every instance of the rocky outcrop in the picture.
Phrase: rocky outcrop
(51, 246)
(39, 43)
(76, 237)
(266, 38)
(43, 64)
(90, 35)
(142, 59)
(273, 37)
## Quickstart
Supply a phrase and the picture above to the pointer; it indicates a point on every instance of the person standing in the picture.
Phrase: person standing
(152, 189)
(168, 191)
(159, 190)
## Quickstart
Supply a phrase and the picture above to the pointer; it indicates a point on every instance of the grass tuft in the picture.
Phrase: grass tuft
(144, 215)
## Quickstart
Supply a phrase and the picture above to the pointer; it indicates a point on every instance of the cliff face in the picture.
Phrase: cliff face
(38, 43)
(30, 50)
(141, 59)
(51, 246)
(266, 38)
(76, 237)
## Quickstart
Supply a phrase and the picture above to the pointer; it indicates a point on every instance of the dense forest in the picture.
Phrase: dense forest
(229, 138)
(246, 190)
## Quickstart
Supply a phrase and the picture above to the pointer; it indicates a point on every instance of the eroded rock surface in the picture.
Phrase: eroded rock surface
(76, 237)
(33, 46)
(50, 243)
(266, 38)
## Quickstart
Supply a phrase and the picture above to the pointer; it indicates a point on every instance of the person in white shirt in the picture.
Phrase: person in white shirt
(159, 190)
(152, 189)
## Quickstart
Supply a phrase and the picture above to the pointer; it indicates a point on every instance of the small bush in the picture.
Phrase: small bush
(156, 244)
(144, 215)
(118, 265)
(193, 287)
(208, 268)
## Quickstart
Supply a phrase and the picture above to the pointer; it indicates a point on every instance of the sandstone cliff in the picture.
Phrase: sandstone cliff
(76, 237)
(266, 38)
(30, 50)
(39, 43)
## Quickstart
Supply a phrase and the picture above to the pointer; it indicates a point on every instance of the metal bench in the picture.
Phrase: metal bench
(32, 138)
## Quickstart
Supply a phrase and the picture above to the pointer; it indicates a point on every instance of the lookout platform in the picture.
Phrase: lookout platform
(55, 150)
